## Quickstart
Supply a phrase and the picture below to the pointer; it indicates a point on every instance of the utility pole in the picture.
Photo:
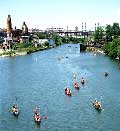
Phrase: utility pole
(67, 30)
(85, 26)
(95, 26)
(82, 29)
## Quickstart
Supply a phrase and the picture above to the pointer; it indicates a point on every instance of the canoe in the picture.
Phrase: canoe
(37, 118)
(68, 92)
(76, 86)
(82, 82)
(97, 108)
(15, 111)
(106, 74)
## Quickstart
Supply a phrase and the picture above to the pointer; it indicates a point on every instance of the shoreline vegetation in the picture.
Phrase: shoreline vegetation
(29, 50)
(29, 47)
(20, 52)
(104, 40)
(25, 51)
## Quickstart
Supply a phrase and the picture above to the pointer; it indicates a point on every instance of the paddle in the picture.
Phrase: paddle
(15, 100)
(101, 100)
(44, 117)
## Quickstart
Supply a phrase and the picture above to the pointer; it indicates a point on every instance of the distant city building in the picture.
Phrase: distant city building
(24, 39)
(24, 28)
(9, 26)
(76, 28)
(35, 30)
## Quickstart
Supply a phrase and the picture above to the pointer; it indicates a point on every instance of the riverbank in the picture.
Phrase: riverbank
(24, 51)
(95, 50)
(19, 52)
(8, 54)
(98, 50)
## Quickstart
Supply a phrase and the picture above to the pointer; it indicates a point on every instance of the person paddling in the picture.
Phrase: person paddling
(37, 116)
(106, 74)
(83, 81)
(97, 105)
(36, 111)
(68, 91)
(76, 85)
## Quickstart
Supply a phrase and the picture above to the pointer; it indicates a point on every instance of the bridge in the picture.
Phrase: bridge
(75, 33)
(67, 32)
(64, 32)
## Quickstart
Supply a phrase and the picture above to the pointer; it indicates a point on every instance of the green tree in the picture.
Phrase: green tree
(113, 52)
(106, 48)
(109, 33)
(113, 49)
(98, 35)
(58, 40)
(115, 30)
(42, 36)
(118, 51)
(64, 39)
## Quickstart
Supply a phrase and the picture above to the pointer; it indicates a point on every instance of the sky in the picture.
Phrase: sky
(59, 13)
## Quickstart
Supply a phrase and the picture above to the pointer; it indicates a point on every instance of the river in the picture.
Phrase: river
(39, 80)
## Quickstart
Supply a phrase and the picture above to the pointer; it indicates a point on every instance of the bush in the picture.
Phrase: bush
(113, 49)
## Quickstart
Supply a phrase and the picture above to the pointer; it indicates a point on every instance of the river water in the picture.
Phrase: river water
(39, 80)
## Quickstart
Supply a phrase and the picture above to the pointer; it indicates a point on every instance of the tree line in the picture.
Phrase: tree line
(109, 38)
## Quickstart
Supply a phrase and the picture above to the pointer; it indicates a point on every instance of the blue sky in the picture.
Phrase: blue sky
(59, 13)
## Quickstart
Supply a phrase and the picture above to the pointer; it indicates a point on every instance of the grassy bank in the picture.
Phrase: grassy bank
(21, 51)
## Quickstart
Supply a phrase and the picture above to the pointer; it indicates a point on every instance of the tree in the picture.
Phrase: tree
(98, 35)
(109, 33)
(116, 42)
(58, 40)
(65, 39)
(42, 36)
(106, 48)
(113, 49)
(118, 51)
(113, 52)
(115, 30)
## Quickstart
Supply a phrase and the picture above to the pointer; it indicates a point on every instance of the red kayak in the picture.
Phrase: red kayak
(76, 85)
(68, 91)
